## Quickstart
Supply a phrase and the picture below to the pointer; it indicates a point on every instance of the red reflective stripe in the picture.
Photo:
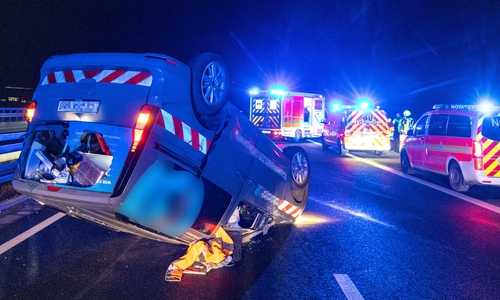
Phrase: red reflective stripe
(489, 148)
(208, 143)
(138, 78)
(113, 76)
(494, 172)
(178, 128)
(160, 121)
(195, 137)
(68, 75)
(51, 78)
(90, 73)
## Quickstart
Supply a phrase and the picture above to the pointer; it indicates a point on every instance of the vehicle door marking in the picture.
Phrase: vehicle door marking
(184, 132)
(259, 155)
(282, 204)
(289, 208)
(108, 76)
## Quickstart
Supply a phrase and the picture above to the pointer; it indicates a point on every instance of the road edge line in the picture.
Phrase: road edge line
(30, 232)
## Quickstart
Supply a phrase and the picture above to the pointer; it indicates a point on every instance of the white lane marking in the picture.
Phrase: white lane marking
(28, 233)
(348, 287)
(469, 199)
(351, 212)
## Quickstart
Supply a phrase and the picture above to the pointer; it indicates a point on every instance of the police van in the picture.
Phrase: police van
(360, 127)
(145, 144)
(459, 141)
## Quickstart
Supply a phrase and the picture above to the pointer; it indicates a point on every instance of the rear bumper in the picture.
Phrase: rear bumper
(367, 143)
(477, 176)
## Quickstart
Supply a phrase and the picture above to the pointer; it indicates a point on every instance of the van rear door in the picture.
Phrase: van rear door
(82, 130)
(489, 137)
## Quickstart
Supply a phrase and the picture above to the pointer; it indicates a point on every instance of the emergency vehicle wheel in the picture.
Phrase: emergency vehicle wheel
(209, 85)
(456, 178)
(405, 164)
(340, 147)
(323, 143)
(300, 167)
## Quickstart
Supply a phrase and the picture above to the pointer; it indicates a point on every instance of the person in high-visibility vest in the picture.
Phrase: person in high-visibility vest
(211, 253)
(404, 126)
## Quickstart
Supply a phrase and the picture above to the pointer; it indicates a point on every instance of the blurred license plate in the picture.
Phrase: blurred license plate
(86, 106)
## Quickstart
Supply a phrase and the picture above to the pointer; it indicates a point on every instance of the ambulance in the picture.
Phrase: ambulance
(459, 141)
(358, 128)
(281, 113)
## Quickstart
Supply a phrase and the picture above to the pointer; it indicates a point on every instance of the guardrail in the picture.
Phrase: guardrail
(12, 130)
(12, 114)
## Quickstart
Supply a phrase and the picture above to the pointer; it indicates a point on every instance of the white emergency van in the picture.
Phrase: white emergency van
(459, 141)
(281, 113)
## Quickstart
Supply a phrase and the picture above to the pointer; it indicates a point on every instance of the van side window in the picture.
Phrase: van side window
(459, 126)
(437, 124)
(491, 128)
(420, 126)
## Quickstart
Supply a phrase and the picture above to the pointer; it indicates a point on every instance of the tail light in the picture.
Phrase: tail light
(142, 120)
(477, 154)
(347, 133)
(30, 112)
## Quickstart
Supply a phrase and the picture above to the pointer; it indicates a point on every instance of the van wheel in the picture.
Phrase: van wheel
(209, 87)
(323, 143)
(340, 147)
(299, 166)
(456, 178)
(405, 164)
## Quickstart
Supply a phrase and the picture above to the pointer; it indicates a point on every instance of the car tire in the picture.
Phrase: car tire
(299, 167)
(209, 88)
(405, 164)
(323, 143)
(456, 178)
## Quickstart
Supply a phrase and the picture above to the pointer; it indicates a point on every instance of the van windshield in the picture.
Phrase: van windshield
(491, 128)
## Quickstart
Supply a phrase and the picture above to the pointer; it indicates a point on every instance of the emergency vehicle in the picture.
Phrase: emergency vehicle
(145, 144)
(360, 127)
(278, 112)
(459, 141)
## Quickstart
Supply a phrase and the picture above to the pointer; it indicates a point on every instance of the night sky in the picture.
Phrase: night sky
(404, 54)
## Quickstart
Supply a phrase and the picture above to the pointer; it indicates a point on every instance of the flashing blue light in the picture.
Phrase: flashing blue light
(254, 91)
(277, 90)
(485, 106)
(364, 103)
(335, 106)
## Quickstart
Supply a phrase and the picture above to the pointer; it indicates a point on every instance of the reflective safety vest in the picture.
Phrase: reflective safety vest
(405, 124)
(212, 253)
